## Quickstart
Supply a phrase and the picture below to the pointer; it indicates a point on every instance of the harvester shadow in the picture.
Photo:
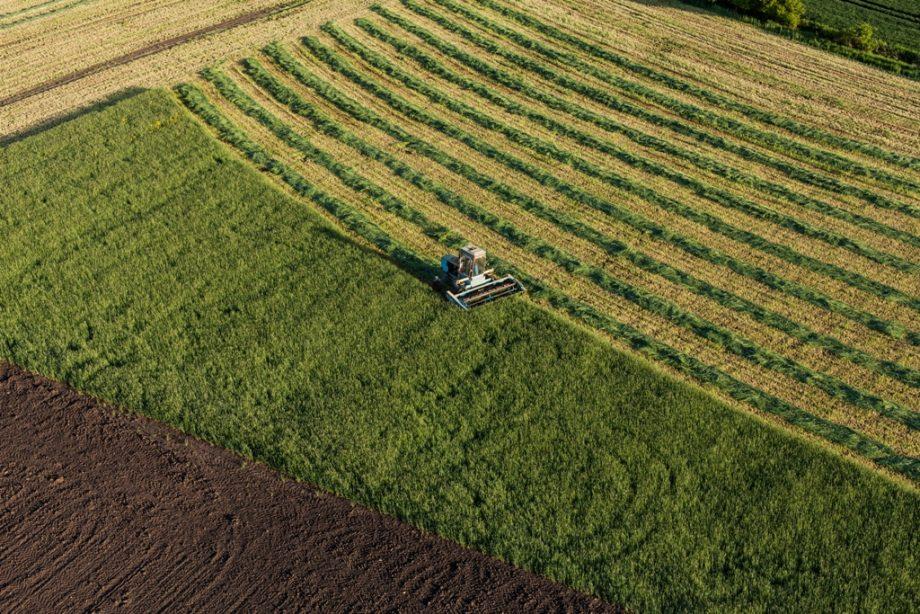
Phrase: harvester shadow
(423, 270)
(99, 105)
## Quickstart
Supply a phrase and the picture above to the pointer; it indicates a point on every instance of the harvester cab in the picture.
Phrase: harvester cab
(468, 282)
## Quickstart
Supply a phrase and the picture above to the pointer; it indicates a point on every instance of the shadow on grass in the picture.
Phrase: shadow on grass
(423, 270)
(99, 105)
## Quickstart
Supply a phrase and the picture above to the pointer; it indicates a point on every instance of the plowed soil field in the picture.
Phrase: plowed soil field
(103, 509)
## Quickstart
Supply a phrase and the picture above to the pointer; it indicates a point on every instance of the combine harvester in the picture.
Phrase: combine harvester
(468, 283)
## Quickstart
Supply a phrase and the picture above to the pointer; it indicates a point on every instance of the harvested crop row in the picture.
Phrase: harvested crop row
(755, 84)
(708, 47)
(373, 234)
(504, 97)
(24, 18)
(114, 31)
(723, 102)
(735, 128)
(604, 103)
(514, 233)
(894, 388)
(520, 135)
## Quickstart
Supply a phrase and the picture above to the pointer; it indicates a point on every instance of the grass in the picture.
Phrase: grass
(893, 21)
(163, 274)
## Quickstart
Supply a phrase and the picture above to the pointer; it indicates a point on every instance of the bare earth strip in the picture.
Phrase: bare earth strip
(103, 509)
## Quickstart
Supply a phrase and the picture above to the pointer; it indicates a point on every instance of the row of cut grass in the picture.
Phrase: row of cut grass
(547, 148)
(491, 72)
(576, 194)
(567, 223)
(682, 362)
(741, 130)
(643, 226)
(719, 100)
(603, 98)
(719, 335)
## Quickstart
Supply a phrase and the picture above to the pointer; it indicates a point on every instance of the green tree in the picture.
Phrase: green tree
(860, 36)
(787, 12)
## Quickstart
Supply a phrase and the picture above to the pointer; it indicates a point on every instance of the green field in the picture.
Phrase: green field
(149, 265)
(894, 21)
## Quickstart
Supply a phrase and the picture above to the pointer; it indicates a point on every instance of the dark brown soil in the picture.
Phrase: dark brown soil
(101, 509)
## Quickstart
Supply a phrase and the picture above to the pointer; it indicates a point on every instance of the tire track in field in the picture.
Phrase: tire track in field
(148, 50)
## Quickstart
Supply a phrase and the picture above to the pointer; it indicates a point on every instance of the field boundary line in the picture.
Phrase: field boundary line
(151, 49)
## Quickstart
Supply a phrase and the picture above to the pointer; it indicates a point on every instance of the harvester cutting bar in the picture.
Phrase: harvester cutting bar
(480, 295)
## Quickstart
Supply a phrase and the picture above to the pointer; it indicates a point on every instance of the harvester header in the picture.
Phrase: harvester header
(468, 282)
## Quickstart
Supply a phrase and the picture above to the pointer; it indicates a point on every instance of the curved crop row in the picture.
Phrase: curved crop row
(680, 127)
(547, 148)
(692, 247)
(730, 125)
(882, 455)
(351, 218)
(566, 189)
(674, 83)
(488, 71)
(721, 336)
(565, 222)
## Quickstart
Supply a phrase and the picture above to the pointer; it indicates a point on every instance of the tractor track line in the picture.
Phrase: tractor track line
(149, 50)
